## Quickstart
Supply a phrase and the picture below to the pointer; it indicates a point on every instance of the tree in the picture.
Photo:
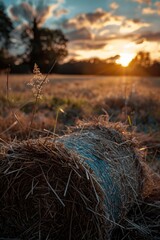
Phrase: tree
(31, 41)
(142, 59)
(39, 44)
(6, 28)
(43, 45)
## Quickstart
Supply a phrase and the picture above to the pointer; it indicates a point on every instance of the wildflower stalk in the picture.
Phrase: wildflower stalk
(37, 83)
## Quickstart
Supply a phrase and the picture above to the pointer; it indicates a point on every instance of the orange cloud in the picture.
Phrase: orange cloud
(114, 5)
(150, 11)
(96, 20)
(101, 25)
(130, 26)
(142, 1)
(151, 36)
(103, 34)
(157, 4)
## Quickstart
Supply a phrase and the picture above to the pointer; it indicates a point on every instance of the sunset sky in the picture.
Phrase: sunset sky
(97, 28)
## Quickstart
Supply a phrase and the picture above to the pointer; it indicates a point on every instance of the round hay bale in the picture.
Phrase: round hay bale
(46, 193)
(114, 162)
(78, 186)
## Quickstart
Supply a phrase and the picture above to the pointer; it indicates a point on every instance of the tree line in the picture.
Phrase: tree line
(141, 65)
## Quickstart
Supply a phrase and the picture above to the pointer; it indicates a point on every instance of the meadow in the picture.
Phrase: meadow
(32, 107)
(66, 99)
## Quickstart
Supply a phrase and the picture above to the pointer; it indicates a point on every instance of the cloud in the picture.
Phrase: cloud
(137, 38)
(105, 34)
(85, 49)
(132, 25)
(91, 48)
(96, 31)
(94, 17)
(46, 13)
(58, 13)
(72, 56)
(114, 5)
(157, 4)
(115, 45)
(79, 34)
(150, 11)
(49, 12)
(114, 58)
(152, 36)
(95, 20)
(89, 45)
(95, 45)
(86, 20)
(142, 1)
(101, 24)
(140, 41)
(25, 11)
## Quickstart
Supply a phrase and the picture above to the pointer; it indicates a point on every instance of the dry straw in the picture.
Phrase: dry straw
(46, 194)
(79, 186)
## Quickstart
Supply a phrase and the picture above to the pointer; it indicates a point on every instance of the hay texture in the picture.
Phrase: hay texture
(78, 186)
(114, 163)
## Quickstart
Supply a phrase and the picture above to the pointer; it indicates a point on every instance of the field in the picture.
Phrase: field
(66, 99)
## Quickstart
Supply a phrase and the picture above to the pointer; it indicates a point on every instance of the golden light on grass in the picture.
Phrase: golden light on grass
(125, 59)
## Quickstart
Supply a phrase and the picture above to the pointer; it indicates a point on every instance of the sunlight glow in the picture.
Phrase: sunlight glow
(125, 59)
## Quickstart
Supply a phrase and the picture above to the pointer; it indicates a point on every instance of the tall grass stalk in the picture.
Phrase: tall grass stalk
(57, 115)
(37, 83)
(7, 85)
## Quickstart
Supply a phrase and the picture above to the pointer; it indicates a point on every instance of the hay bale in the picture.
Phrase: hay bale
(46, 194)
(78, 186)
(114, 162)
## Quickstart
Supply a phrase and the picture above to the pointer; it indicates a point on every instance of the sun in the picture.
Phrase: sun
(125, 59)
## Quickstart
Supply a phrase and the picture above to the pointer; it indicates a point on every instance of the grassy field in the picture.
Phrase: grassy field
(66, 99)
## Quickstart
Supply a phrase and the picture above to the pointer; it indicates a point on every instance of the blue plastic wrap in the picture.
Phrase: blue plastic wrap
(84, 145)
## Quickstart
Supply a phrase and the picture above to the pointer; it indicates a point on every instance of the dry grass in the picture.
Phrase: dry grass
(84, 97)
(24, 168)
(136, 102)
(49, 189)
(47, 194)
